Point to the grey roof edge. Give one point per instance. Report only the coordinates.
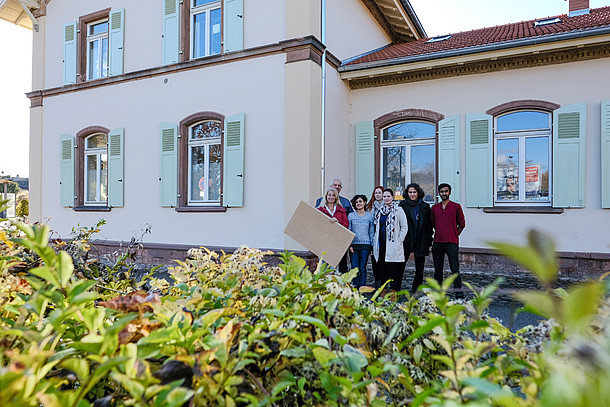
(476, 49)
(411, 13)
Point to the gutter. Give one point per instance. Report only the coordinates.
(413, 16)
(477, 49)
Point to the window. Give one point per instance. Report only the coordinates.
(205, 31)
(202, 163)
(93, 46)
(97, 49)
(408, 154)
(204, 166)
(522, 158)
(96, 170)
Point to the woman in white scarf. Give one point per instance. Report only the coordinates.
(390, 231)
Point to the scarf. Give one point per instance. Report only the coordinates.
(376, 207)
(391, 220)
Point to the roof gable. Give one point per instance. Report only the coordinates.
(503, 34)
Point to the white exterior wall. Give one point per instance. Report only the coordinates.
(264, 23)
(351, 29)
(339, 145)
(254, 87)
(581, 230)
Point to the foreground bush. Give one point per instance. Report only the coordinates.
(231, 330)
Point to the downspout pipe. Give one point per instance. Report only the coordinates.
(323, 102)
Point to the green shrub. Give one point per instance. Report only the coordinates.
(231, 330)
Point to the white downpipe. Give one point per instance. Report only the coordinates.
(323, 39)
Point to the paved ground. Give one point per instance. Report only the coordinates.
(504, 307)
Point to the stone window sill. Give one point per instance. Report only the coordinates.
(92, 208)
(523, 209)
(201, 209)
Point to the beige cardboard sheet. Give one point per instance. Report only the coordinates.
(313, 229)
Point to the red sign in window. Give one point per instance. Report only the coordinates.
(531, 174)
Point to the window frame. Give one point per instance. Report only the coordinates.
(186, 43)
(79, 187)
(400, 116)
(206, 143)
(97, 38)
(184, 203)
(522, 136)
(82, 51)
(98, 153)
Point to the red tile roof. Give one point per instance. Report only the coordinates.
(599, 17)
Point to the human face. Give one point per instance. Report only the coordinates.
(387, 198)
(378, 194)
(359, 204)
(412, 192)
(444, 193)
(337, 185)
(331, 198)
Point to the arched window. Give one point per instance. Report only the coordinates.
(522, 157)
(96, 169)
(408, 154)
(204, 162)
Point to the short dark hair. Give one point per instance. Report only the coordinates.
(390, 191)
(361, 196)
(443, 185)
(420, 191)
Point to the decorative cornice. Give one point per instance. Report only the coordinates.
(477, 67)
(306, 46)
(399, 115)
(42, 10)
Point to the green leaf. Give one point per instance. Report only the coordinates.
(424, 329)
(46, 274)
(541, 302)
(273, 311)
(65, 268)
(445, 359)
(323, 356)
(178, 396)
(281, 385)
(581, 304)
(354, 360)
(78, 366)
(391, 335)
(79, 288)
(294, 353)
(313, 321)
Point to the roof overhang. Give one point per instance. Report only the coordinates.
(366, 72)
(397, 18)
(20, 12)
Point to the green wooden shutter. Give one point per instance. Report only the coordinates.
(365, 157)
(116, 167)
(605, 154)
(479, 159)
(70, 42)
(233, 161)
(569, 156)
(117, 40)
(449, 136)
(169, 164)
(171, 31)
(66, 170)
(233, 25)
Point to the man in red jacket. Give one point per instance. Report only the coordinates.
(448, 223)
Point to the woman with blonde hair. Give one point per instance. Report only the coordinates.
(330, 205)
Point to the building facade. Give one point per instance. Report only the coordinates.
(211, 120)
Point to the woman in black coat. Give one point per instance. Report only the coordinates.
(419, 237)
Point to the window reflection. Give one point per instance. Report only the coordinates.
(526, 120)
(507, 177)
(422, 169)
(394, 168)
(537, 168)
(409, 130)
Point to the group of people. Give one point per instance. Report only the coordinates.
(392, 231)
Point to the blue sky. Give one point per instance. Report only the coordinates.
(437, 16)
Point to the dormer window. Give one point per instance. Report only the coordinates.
(547, 21)
(439, 39)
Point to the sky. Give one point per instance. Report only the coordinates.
(437, 16)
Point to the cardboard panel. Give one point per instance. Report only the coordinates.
(313, 229)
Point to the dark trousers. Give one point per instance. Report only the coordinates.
(418, 279)
(359, 258)
(376, 272)
(390, 270)
(343, 264)
(438, 256)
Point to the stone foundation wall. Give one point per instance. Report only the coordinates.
(573, 266)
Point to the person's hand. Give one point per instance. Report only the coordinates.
(351, 249)
(333, 220)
